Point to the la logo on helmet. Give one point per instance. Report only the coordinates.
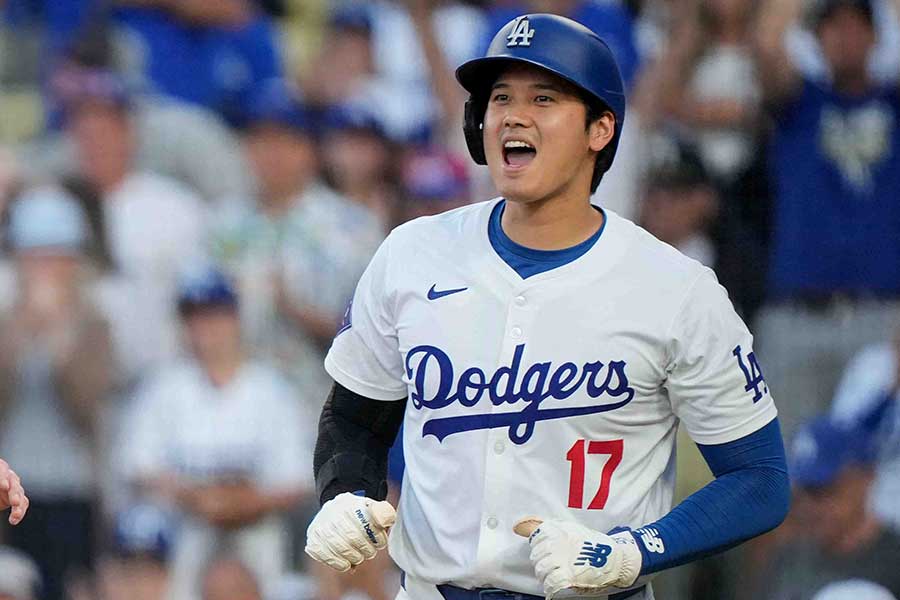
(521, 33)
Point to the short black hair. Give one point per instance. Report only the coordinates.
(821, 10)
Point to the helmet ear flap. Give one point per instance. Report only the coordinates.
(473, 128)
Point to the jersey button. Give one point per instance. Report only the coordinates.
(520, 300)
(492, 523)
(499, 447)
(516, 332)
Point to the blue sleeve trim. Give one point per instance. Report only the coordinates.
(750, 495)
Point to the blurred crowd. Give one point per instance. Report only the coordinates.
(190, 190)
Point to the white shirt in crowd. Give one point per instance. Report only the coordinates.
(251, 429)
(318, 249)
(726, 72)
(401, 91)
(864, 384)
(154, 225)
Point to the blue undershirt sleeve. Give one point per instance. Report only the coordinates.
(749, 496)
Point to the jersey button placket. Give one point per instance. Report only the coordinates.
(500, 453)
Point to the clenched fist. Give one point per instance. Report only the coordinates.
(348, 530)
(569, 556)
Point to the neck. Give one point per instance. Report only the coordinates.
(852, 84)
(553, 224)
(277, 202)
(222, 368)
(111, 181)
(860, 535)
(362, 189)
(732, 32)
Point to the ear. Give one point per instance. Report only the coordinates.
(601, 131)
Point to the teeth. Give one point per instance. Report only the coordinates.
(517, 144)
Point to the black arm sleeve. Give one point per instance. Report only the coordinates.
(355, 434)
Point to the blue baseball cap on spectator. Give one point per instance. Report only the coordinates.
(351, 17)
(204, 285)
(435, 174)
(352, 117)
(49, 220)
(279, 102)
(143, 530)
(821, 450)
(72, 85)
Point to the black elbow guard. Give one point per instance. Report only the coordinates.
(355, 434)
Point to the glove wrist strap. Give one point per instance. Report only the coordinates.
(632, 559)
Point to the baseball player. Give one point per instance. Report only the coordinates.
(540, 353)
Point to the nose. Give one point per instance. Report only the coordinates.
(515, 117)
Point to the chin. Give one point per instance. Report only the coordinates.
(517, 189)
(519, 194)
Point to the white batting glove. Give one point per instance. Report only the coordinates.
(348, 530)
(571, 557)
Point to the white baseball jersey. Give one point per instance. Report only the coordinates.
(558, 395)
(251, 429)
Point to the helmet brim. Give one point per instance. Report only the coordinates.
(477, 75)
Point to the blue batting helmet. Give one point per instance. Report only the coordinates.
(562, 46)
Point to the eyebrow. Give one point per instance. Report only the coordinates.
(537, 86)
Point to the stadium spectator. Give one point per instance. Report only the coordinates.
(220, 438)
(52, 391)
(357, 159)
(868, 397)
(297, 248)
(150, 222)
(343, 67)
(837, 536)
(680, 202)
(398, 58)
(834, 276)
(171, 137)
(682, 206)
(706, 81)
(137, 566)
(433, 180)
(416, 45)
(20, 578)
(209, 53)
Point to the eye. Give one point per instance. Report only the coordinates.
(543, 99)
(500, 97)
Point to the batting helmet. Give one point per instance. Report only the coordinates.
(562, 46)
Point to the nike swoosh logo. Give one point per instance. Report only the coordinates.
(433, 294)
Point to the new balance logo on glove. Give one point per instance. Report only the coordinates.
(594, 554)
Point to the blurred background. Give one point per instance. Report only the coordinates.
(190, 189)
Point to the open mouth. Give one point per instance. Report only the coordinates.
(518, 154)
